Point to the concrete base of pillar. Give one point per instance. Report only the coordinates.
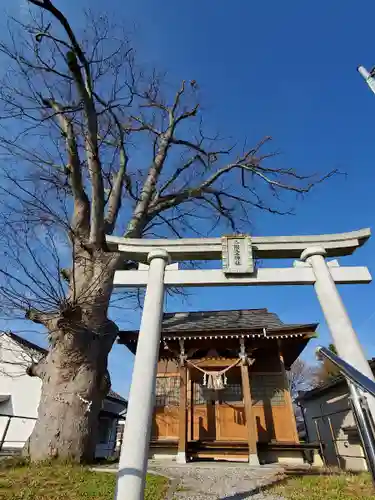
(253, 459)
(181, 457)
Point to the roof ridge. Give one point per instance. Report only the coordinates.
(115, 395)
(264, 309)
(219, 320)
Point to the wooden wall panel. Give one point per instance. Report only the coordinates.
(225, 423)
(231, 423)
(273, 424)
(284, 429)
(204, 422)
(165, 423)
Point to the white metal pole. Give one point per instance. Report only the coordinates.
(370, 80)
(341, 328)
(135, 446)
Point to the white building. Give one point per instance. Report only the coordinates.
(20, 395)
(330, 420)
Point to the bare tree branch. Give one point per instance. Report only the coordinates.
(82, 205)
(300, 377)
(84, 87)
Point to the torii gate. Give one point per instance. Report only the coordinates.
(311, 268)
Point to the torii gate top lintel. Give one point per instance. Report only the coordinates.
(265, 247)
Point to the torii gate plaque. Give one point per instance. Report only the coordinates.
(310, 269)
(237, 254)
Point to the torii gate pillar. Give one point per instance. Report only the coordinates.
(135, 445)
(343, 335)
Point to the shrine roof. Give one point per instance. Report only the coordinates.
(245, 322)
(261, 327)
(221, 320)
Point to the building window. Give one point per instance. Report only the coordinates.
(119, 435)
(167, 391)
(267, 389)
(232, 393)
(202, 394)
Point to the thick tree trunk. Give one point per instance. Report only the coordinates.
(74, 382)
(74, 373)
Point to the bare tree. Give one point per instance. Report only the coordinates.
(92, 145)
(300, 377)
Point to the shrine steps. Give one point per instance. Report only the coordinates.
(268, 452)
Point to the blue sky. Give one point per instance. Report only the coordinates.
(285, 69)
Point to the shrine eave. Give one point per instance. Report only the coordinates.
(305, 331)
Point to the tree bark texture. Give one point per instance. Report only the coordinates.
(74, 373)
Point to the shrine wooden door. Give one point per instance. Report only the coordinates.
(203, 414)
(218, 415)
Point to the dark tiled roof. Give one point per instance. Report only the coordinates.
(257, 324)
(115, 395)
(221, 320)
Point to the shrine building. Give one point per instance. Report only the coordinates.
(222, 391)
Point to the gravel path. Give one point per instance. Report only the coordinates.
(220, 481)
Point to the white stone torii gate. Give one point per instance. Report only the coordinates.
(310, 269)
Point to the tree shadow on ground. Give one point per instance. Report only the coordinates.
(242, 495)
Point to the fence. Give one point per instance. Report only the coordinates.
(110, 448)
(7, 426)
(332, 440)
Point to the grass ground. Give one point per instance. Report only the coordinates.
(65, 482)
(328, 487)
